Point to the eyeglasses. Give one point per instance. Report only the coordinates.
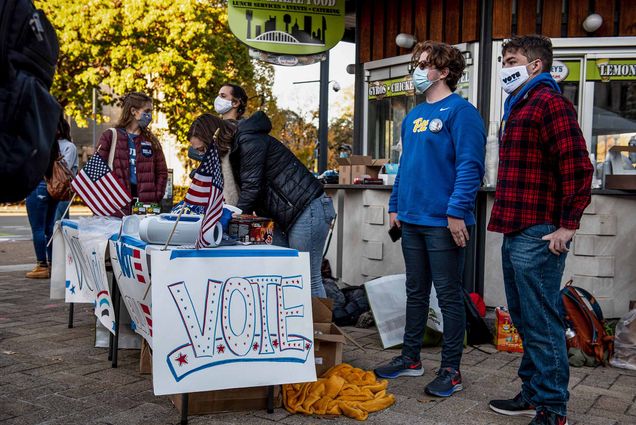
(421, 65)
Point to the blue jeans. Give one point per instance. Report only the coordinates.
(430, 254)
(532, 278)
(61, 207)
(41, 212)
(308, 234)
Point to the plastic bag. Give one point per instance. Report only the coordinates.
(625, 342)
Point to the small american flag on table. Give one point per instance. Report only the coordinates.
(207, 190)
(99, 188)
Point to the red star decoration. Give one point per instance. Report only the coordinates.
(220, 348)
(307, 346)
(275, 343)
(255, 346)
(182, 359)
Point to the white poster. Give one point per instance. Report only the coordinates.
(78, 288)
(130, 266)
(94, 233)
(230, 318)
(58, 264)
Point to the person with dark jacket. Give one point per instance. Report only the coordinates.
(274, 183)
(139, 163)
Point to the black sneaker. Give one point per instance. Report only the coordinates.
(447, 382)
(400, 366)
(513, 407)
(543, 417)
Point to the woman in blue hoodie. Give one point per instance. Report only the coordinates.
(441, 168)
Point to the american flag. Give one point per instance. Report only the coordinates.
(99, 188)
(207, 190)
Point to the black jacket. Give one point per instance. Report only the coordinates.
(273, 182)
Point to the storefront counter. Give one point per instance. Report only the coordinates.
(602, 257)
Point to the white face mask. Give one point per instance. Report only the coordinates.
(420, 80)
(222, 106)
(512, 78)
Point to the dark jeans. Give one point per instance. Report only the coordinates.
(430, 254)
(532, 277)
(41, 211)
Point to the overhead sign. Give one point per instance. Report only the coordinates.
(286, 60)
(611, 70)
(389, 88)
(559, 71)
(288, 27)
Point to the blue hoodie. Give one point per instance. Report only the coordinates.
(442, 163)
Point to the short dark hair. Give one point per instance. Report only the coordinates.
(441, 55)
(238, 93)
(533, 47)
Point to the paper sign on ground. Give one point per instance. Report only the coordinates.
(387, 298)
(231, 318)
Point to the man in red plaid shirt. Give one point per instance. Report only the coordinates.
(543, 186)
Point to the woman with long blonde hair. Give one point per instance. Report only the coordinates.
(138, 160)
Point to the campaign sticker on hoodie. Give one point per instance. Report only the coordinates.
(436, 125)
(146, 149)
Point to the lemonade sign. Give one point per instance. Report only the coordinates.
(289, 27)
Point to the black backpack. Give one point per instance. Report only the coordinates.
(28, 112)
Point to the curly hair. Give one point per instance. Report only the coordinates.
(205, 127)
(531, 46)
(441, 56)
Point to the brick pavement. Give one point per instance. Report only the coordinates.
(50, 374)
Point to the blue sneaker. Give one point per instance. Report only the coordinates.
(447, 382)
(400, 366)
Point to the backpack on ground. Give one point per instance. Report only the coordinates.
(584, 322)
(28, 112)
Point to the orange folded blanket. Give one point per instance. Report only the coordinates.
(342, 390)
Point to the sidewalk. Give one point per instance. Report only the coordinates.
(53, 375)
(19, 210)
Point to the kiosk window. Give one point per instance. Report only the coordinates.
(385, 124)
(614, 116)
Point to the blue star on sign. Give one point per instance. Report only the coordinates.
(72, 290)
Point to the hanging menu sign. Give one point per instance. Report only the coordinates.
(389, 88)
(611, 70)
(288, 27)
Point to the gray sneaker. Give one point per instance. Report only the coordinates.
(400, 366)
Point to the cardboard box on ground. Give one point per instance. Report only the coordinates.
(357, 166)
(328, 339)
(328, 346)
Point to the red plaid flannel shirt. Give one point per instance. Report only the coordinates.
(545, 173)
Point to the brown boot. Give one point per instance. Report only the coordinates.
(41, 271)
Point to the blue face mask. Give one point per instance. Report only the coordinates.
(195, 154)
(146, 118)
(421, 81)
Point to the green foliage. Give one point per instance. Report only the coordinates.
(340, 133)
(178, 51)
(298, 135)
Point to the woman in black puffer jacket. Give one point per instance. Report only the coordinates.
(274, 183)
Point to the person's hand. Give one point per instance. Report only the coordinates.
(393, 221)
(459, 231)
(559, 239)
